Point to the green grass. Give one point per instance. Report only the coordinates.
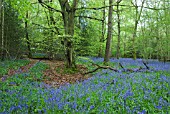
(6, 65)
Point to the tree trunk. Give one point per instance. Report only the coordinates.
(103, 31)
(27, 37)
(137, 18)
(109, 34)
(118, 26)
(2, 31)
(1, 28)
(68, 14)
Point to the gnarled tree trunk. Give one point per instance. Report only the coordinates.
(68, 14)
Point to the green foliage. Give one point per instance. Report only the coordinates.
(5, 66)
(21, 85)
(13, 32)
(36, 72)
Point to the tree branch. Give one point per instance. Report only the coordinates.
(140, 69)
(146, 65)
(99, 8)
(48, 7)
(42, 27)
(90, 18)
(101, 67)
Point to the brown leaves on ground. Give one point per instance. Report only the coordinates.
(57, 76)
(22, 69)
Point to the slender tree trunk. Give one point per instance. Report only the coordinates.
(109, 34)
(2, 31)
(167, 31)
(103, 31)
(27, 37)
(51, 24)
(158, 40)
(1, 28)
(118, 26)
(124, 46)
(137, 18)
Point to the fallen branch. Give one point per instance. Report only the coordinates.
(140, 69)
(100, 67)
(121, 66)
(145, 65)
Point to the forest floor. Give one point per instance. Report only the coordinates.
(56, 75)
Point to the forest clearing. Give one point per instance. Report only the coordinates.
(84, 57)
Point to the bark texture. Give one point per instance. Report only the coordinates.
(68, 15)
(109, 34)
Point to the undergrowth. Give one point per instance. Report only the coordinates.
(105, 92)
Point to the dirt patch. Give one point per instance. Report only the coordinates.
(57, 76)
(22, 69)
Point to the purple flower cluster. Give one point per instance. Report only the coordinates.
(105, 92)
(126, 62)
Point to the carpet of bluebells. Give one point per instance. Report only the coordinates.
(105, 92)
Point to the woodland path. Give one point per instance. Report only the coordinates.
(56, 75)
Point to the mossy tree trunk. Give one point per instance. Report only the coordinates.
(68, 14)
(27, 36)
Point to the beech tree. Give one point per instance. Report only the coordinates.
(68, 10)
(138, 13)
(109, 33)
(118, 29)
(27, 35)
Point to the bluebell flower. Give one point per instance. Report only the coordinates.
(12, 83)
(88, 99)
(163, 102)
(74, 106)
(143, 112)
(92, 107)
(60, 106)
(127, 94)
(158, 107)
(19, 107)
(163, 78)
(105, 111)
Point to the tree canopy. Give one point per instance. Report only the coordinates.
(65, 29)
